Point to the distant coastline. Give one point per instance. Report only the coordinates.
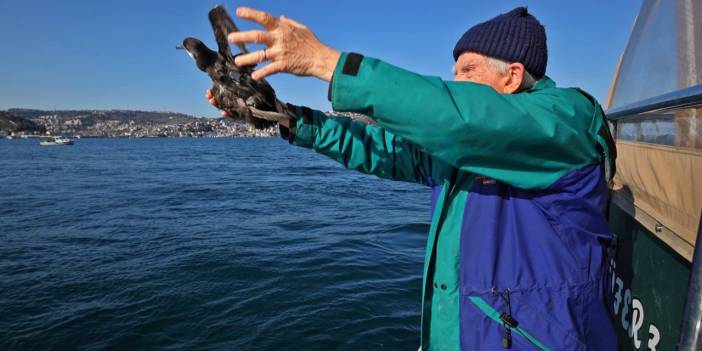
(121, 124)
(18, 122)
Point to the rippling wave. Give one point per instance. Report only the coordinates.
(234, 244)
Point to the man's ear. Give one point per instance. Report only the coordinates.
(515, 77)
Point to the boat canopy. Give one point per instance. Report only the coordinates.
(655, 104)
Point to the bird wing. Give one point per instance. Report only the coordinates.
(222, 25)
(267, 91)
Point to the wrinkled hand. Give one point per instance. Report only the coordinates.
(291, 47)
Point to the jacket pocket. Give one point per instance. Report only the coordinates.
(530, 330)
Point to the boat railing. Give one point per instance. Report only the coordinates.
(682, 98)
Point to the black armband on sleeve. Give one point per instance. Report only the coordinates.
(351, 67)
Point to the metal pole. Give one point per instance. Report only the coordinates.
(691, 328)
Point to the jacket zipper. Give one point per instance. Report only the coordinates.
(508, 322)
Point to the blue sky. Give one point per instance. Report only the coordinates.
(83, 54)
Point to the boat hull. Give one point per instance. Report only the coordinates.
(648, 282)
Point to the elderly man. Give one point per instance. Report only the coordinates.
(516, 253)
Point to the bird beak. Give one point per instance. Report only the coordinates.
(180, 47)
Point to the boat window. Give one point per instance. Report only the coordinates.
(664, 52)
(681, 127)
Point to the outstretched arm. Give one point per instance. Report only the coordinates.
(365, 148)
(357, 145)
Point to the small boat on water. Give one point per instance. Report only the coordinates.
(56, 141)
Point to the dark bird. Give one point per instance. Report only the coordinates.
(234, 90)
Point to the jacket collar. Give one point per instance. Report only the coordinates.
(543, 83)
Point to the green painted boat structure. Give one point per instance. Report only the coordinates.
(649, 286)
(655, 111)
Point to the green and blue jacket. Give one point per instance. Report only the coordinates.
(517, 247)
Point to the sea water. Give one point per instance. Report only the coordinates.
(208, 244)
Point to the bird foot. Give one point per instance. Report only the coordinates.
(268, 115)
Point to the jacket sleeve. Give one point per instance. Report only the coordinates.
(365, 148)
(528, 140)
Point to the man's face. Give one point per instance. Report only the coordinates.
(474, 67)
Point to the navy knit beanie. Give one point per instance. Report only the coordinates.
(515, 36)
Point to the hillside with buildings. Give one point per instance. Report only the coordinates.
(128, 124)
(125, 123)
